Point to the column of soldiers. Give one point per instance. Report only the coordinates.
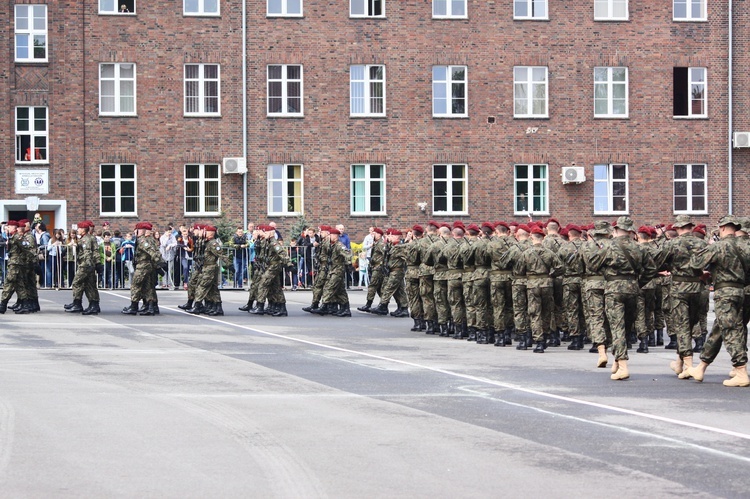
(20, 278)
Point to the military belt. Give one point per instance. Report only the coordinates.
(469, 268)
(685, 279)
(483, 267)
(500, 272)
(594, 277)
(573, 275)
(611, 278)
(728, 284)
(537, 276)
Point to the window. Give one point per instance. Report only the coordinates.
(116, 6)
(530, 9)
(449, 91)
(367, 90)
(690, 92)
(117, 186)
(201, 7)
(449, 189)
(31, 33)
(531, 189)
(690, 189)
(449, 8)
(202, 94)
(367, 8)
(285, 90)
(117, 89)
(284, 189)
(611, 92)
(530, 92)
(610, 10)
(689, 10)
(202, 188)
(31, 131)
(368, 189)
(610, 189)
(284, 8)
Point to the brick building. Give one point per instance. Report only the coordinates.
(375, 111)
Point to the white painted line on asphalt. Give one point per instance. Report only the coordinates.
(477, 379)
(330, 357)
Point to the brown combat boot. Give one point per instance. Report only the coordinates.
(698, 371)
(602, 362)
(622, 371)
(687, 363)
(739, 379)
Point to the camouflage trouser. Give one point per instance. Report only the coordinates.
(376, 283)
(520, 306)
(393, 287)
(621, 309)
(727, 328)
(253, 288)
(85, 282)
(319, 285)
(644, 322)
(573, 307)
(139, 284)
(427, 293)
(13, 283)
(558, 312)
(150, 290)
(442, 305)
(414, 298)
(30, 279)
(686, 308)
(666, 305)
(702, 326)
(269, 287)
(501, 296)
(480, 300)
(541, 303)
(593, 310)
(456, 300)
(470, 308)
(335, 284)
(193, 279)
(659, 306)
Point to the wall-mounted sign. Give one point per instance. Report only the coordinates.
(32, 181)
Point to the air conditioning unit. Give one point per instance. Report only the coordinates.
(573, 175)
(235, 165)
(741, 139)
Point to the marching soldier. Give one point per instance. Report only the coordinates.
(592, 291)
(255, 272)
(413, 262)
(501, 292)
(377, 256)
(570, 255)
(427, 279)
(320, 264)
(553, 241)
(14, 272)
(269, 288)
(145, 259)
(334, 292)
(393, 268)
(451, 253)
(199, 249)
(518, 286)
(467, 277)
(440, 279)
(87, 250)
(207, 294)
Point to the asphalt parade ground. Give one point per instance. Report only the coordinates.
(183, 406)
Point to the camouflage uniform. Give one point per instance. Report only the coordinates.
(14, 272)
(427, 283)
(501, 292)
(207, 289)
(335, 288)
(414, 298)
(270, 285)
(518, 286)
(554, 242)
(467, 276)
(480, 291)
(541, 266)
(199, 251)
(570, 255)
(322, 254)
(85, 280)
(394, 268)
(451, 252)
(436, 259)
(146, 258)
(592, 289)
(32, 262)
(645, 321)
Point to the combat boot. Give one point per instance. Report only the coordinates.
(522, 342)
(687, 363)
(602, 361)
(699, 371)
(344, 311)
(430, 327)
(187, 305)
(594, 348)
(443, 330)
(366, 307)
(35, 305)
(18, 304)
(131, 310)
(143, 308)
(652, 339)
(217, 310)
(381, 309)
(565, 336)
(482, 337)
(508, 337)
(500, 339)
(672, 342)
(77, 307)
(323, 309)
(3, 306)
(247, 306)
(574, 343)
(643, 347)
(310, 308)
(27, 307)
(93, 308)
(659, 337)
(259, 309)
(491, 334)
(197, 309)
(740, 378)
(156, 308)
(472, 334)
(149, 309)
(400, 312)
(699, 342)
(416, 326)
(554, 339)
(539, 347)
(632, 340)
(280, 310)
(622, 371)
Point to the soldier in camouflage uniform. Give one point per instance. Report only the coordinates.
(467, 277)
(439, 263)
(480, 287)
(413, 261)
(451, 253)
(426, 279)
(334, 292)
(570, 255)
(377, 256)
(255, 273)
(146, 258)
(85, 281)
(29, 274)
(592, 291)
(394, 268)
(625, 267)
(700, 330)
(553, 242)
(542, 265)
(501, 292)
(199, 250)
(518, 287)
(729, 265)
(16, 261)
(645, 325)
(207, 295)
(320, 265)
(270, 288)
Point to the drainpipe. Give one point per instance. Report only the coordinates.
(244, 111)
(730, 119)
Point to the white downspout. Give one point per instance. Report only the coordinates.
(730, 119)
(244, 111)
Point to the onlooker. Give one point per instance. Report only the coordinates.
(307, 241)
(55, 253)
(344, 239)
(240, 246)
(168, 250)
(107, 252)
(364, 277)
(45, 263)
(127, 250)
(185, 254)
(71, 248)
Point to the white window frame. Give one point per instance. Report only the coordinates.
(285, 182)
(285, 81)
(118, 80)
(688, 16)
(530, 84)
(609, 181)
(118, 181)
(367, 180)
(202, 80)
(201, 9)
(689, 180)
(285, 9)
(367, 88)
(610, 85)
(447, 85)
(530, 180)
(33, 135)
(30, 34)
(449, 10)
(610, 5)
(202, 180)
(449, 195)
(531, 6)
(366, 6)
(114, 10)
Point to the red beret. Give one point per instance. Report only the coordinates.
(433, 223)
(335, 231)
(458, 224)
(513, 224)
(553, 220)
(574, 227)
(669, 227)
(564, 232)
(378, 230)
(488, 225)
(394, 232)
(702, 226)
(524, 228)
(23, 221)
(699, 230)
(325, 228)
(445, 224)
(473, 227)
(91, 224)
(502, 224)
(644, 229)
(417, 228)
(148, 226)
(537, 230)
(12, 223)
(208, 228)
